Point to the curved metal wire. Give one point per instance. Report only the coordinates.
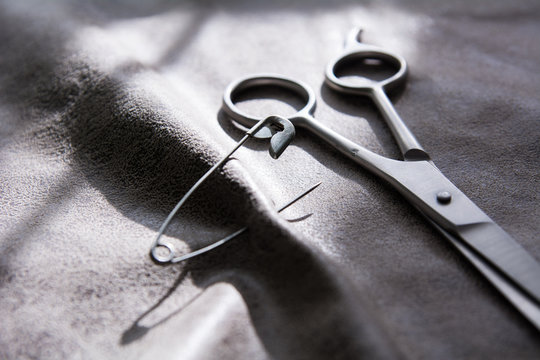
(282, 132)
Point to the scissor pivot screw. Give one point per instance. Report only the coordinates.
(444, 197)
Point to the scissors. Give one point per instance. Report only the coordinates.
(511, 269)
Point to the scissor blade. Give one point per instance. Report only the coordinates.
(497, 247)
(521, 301)
(442, 202)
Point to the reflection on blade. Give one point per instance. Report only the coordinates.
(511, 292)
(443, 203)
(498, 248)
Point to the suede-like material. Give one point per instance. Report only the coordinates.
(110, 112)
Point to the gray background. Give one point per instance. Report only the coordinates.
(109, 112)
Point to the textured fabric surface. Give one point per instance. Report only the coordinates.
(109, 112)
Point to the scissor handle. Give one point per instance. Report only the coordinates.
(356, 50)
(259, 80)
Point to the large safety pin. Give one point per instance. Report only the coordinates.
(281, 132)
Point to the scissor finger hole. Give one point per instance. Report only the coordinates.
(254, 98)
(357, 68)
(264, 100)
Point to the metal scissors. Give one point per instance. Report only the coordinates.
(512, 270)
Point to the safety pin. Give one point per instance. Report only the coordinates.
(225, 239)
(281, 132)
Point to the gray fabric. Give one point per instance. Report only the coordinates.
(109, 112)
